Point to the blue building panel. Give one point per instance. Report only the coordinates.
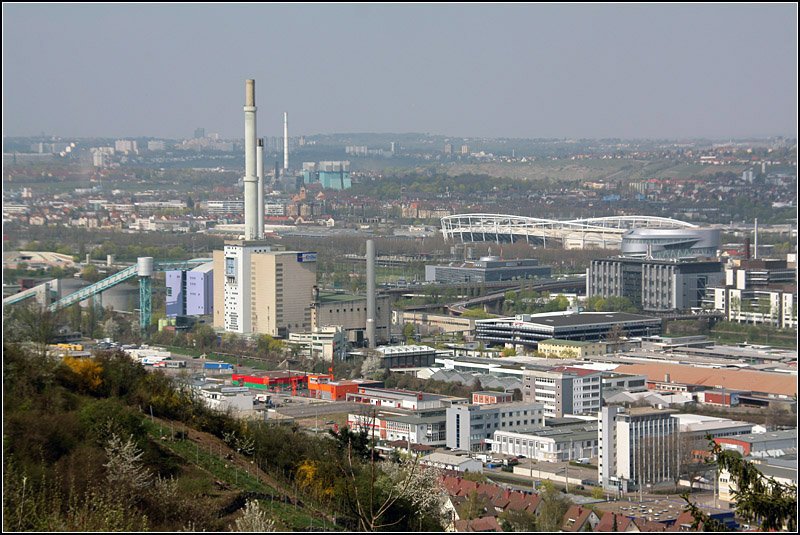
(176, 293)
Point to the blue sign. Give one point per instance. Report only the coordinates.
(307, 257)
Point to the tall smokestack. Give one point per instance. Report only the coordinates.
(285, 141)
(250, 178)
(371, 293)
(260, 176)
(755, 245)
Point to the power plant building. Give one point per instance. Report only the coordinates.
(350, 311)
(191, 293)
(487, 269)
(263, 291)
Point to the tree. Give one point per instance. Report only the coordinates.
(124, 467)
(616, 333)
(758, 498)
(475, 506)
(508, 352)
(204, 337)
(254, 519)
(420, 485)
(269, 345)
(91, 274)
(552, 509)
(372, 367)
(520, 521)
(33, 323)
(687, 462)
(409, 330)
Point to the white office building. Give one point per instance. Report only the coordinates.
(564, 390)
(637, 447)
(471, 427)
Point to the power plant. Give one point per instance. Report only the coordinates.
(259, 288)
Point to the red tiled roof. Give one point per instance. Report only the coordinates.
(607, 522)
(575, 517)
(486, 523)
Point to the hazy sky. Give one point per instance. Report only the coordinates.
(592, 70)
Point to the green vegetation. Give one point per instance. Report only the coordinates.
(477, 313)
(726, 332)
(532, 302)
(101, 444)
(759, 499)
(609, 304)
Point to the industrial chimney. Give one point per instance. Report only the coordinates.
(285, 142)
(250, 178)
(755, 244)
(260, 176)
(371, 293)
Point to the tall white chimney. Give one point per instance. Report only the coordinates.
(285, 141)
(250, 178)
(260, 176)
(371, 305)
(755, 245)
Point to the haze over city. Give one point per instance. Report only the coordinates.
(534, 71)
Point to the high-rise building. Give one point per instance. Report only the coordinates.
(563, 390)
(263, 291)
(199, 133)
(637, 447)
(126, 146)
(655, 285)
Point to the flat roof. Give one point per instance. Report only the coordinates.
(576, 319)
(332, 297)
(752, 438)
(559, 342)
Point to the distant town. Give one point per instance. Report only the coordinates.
(543, 334)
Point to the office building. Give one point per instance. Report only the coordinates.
(487, 269)
(491, 398)
(398, 399)
(260, 291)
(126, 146)
(654, 285)
(563, 390)
(757, 292)
(571, 349)
(528, 330)
(424, 426)
(556, 444)
(637, 447)
(471, 427)
(326, 343)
